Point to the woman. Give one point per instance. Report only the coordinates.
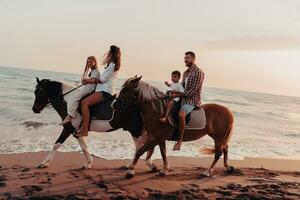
(104, 86)
(91, 65)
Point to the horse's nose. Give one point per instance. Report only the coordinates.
(35, 110)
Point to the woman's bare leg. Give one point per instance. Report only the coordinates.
(85, 104)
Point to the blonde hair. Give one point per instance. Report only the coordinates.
(86, 69)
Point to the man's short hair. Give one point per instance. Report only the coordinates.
(176, 73)
(190, 53)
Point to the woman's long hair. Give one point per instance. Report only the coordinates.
(113, 55)
(86, 69)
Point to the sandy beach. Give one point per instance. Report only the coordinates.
(64, 179)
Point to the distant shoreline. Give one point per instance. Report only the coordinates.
(210, 87)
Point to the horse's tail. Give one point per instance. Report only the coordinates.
(227, 136)
(225, 141)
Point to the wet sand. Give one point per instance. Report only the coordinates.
(64, 179)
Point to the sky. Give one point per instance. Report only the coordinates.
(251, 45)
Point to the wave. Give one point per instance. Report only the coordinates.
(34, 124)
(293, 135)
(5, 76)
(230, 102)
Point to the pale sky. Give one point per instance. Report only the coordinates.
(251, 45)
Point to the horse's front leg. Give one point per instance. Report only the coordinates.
(149, 161)
(88, 157)
(139, 142)
(163, 152)
(150, 144)
(45, 163)
(66, 132)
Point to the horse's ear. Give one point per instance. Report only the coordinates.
(133, 82)
(136, 79)
(37, 80)
(139, 78)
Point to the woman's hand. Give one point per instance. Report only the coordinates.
(85, 81)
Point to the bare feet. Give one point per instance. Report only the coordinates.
(177, 146)
(66, 120)
(163, 120)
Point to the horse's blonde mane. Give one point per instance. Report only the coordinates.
(149, 93)
(153, 95)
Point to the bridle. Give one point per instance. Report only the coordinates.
(50, 100)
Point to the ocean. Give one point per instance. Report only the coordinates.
(265, 125)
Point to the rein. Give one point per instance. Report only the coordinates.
(62, 95)
(72, 90)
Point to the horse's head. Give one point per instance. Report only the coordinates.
(128, 96)
(41, 96)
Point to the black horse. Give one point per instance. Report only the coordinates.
(57, 94)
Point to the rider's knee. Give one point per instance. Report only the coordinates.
(84, 103)
(181, 114)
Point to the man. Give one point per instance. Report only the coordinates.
(191, 97)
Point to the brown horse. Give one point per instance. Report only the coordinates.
(152, 102)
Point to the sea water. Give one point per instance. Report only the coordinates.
(265, 125)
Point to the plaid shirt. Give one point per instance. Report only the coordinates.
(192, 82)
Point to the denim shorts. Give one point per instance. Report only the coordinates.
(187, 108)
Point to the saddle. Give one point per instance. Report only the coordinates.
(196, 120)
(100, 111)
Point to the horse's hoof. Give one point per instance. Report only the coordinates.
(124, 167)
(154, 168)
(42, 166)
(87, 166)
(162, 173)
(130, 174)
(207, 173)
(230, 169)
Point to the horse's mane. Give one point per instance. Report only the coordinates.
(148, 92)
(151, 94)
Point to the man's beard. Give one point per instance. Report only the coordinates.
(189, 64)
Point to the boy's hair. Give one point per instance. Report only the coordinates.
(190, 53)
(176, 73)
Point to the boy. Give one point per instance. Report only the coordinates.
(175, 85)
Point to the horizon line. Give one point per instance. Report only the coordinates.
(212, 87)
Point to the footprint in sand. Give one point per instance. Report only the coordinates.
(25, 170)
(44, 177)
(3, 179)
(25, 176)
(74, 175)
(102, 185)
(31, 189)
